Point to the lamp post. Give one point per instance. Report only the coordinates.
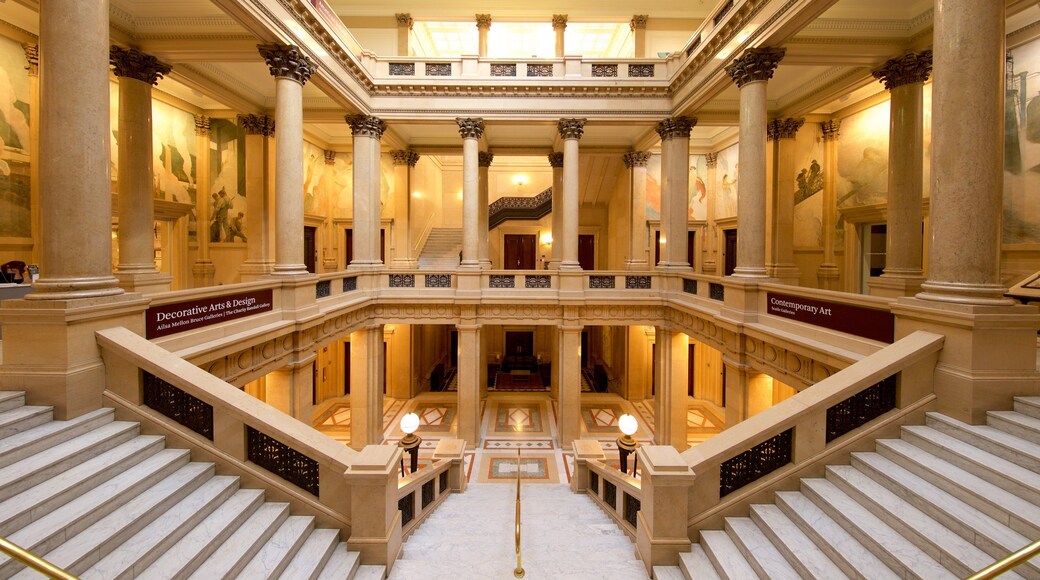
(410, 442)
(626, 444)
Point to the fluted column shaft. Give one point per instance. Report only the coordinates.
(367, 132)
(638, 248)
(571, 131)
(75, 213)
(484, 163)
(471, 131)
(556, 161)
(675, 190)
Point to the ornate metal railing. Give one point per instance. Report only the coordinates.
(183, 408)
(282, 460)
(861, 408)
(760, 460)
(519, 208)
(420, 492)
(606, 485)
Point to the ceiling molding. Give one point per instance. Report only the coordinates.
(200, 81)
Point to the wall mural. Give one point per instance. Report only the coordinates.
(726, 183)
(1022, 147)
(227, 164)
(15, 218)
(697, 197)
(808, 184)
(863, 157)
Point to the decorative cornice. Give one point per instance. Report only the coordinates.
(404, 157)
(559, 21)
(831, 129)
(756, 64)
(638, 22)
(711, 159)
(470, 127)
(555, 160)
(483, 20)
(366, 126)
(201, 125)
(636, 159)
(257, 124)
(571, 128)
(330, 157)
(404, 19)
(287, 62)
(783, 128)
(676, 127)
(912, 67)
(32, 58)
(134, 64)
(484, 159)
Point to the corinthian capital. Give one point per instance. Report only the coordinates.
(287, 62)
(673, 127)
(711, 159)
(257, 124)
(559, 21)
(636, 159)
(134, 64)
(756, 64)
(32, 58)
(404, 157)
(201, 125)
(783, 128)
(404, 19)
(483, 20)
(484, 159)
(470, 127)
(912, 67)
(571, 128)
(638, 22)
(556, 159)
(366, 126)
(330, 157)
(831, 129)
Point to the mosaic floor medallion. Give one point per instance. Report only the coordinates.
(435, 416)
(530, 468)
(601, 418)
(518, 417)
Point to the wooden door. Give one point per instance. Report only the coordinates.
(657, 247)
(519, 343)
(584, 349)
(346, 368)
(689, 373)
(310, 234)
(348, 245)
(730, 237)
(587, 251)
(691, 249)
(653, 370)
(382, 246)
(454, 346)
(518, 251)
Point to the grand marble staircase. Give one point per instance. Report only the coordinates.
(565, 537)
(943, 501)
(441, 250)
(94, 496)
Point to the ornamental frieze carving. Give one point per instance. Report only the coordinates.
(519, 311)
(831, 129)
(673, 127)
(912, 67)
(756, 64)
(636, 159)
(470, 127)
(366, 126)
(287, 62)
(133, 64)
(783, 128)
(571, 128)
(257, 124)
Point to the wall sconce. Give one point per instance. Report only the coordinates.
(546, 238)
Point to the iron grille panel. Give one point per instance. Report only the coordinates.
(539, 70)
(438, 69)
(350, 284)
(427, 493)
(717, 291)
(632, 505)
(323, 289)
(407, 506)
(193, 413)
(604, 70)
(539, 281)
(402, 280)
(637, 282)
(403, 69)
(594, 481)
(689, 286)
(610, 494)
(282, 460)
(438, 280)
(503, 70)
(861, 408)
(502, 281)
(760, 460)
(641, 70)
(601, 282)
(444, 481)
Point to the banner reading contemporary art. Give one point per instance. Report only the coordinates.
(173, 318)
(866, 322)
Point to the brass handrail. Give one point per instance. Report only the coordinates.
(519, 571)
(1000, 566)
(35, 562)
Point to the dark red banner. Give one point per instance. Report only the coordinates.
(174, 318)
(866, 322)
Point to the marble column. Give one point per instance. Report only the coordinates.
(483, 26)
(137, 72)
(750, 72)
(675, 190)
(290, 389)
(670, 396)
(404, 29)
(638, 243)
(559, 24)
(711, 231)
(556, 162)
(367, 132)
(32, 59)
(291, 69)
(904, 78)
(471, 130)
(737, 381)
(259, 262)
(484, 160)
(568, 360)
(203, 269)
(570, 131)
(782, 266)
(638, 27)
(366, 386)
(404, 165)
(471, 357)
(827, 273)
(331, 191)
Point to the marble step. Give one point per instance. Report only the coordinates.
(23, 418)
(86, 548)
(796, 547)
(940, 543)
(342, 564)
(244, 543)
(994, 538)
(759, 551)
(854, 559)
(11, 400)
(51, 530)
(1028, 406)
(138, 552)
(695, 564)
(199, 543)
(274, 556)
(27, 443)
(47, 463)
(371, 572)
(1001, 472)
(1001, 505)
(990, 439)
(897, 552)
(668, 573)
(310, 559)
(1015, 423)
(725, 556)
(36, 502)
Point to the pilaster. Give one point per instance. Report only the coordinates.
(827, 274)
(258, 129)
(570, 131)
(670, 400)
(366, 386)
(367, 131)
(783, 268)
(404, 166)
(675, 191)
(471, 130)
(638, 243)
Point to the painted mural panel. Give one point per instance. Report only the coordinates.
(316, 177)
(697, 196)
(227, 163)
(653, 187)
(863, 157)
(173, 163)
(808, 184)
(1022, 148)
(14, 142)
(726, 183)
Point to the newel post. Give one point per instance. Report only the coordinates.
(455, 450)
(662, 520)
(375, 520)
(584, 450)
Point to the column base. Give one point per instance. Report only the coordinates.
(988, 358)
(674, 266)
(485, 264)
(290, 270)
(366, 266)
(144, 282)
(203, 274)
(952, 292)
(404, 264)
(828, 277)
(785, 273)
(251, 271)
(554, 265)
(895, 286)
(50, 351)
(637, 265)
